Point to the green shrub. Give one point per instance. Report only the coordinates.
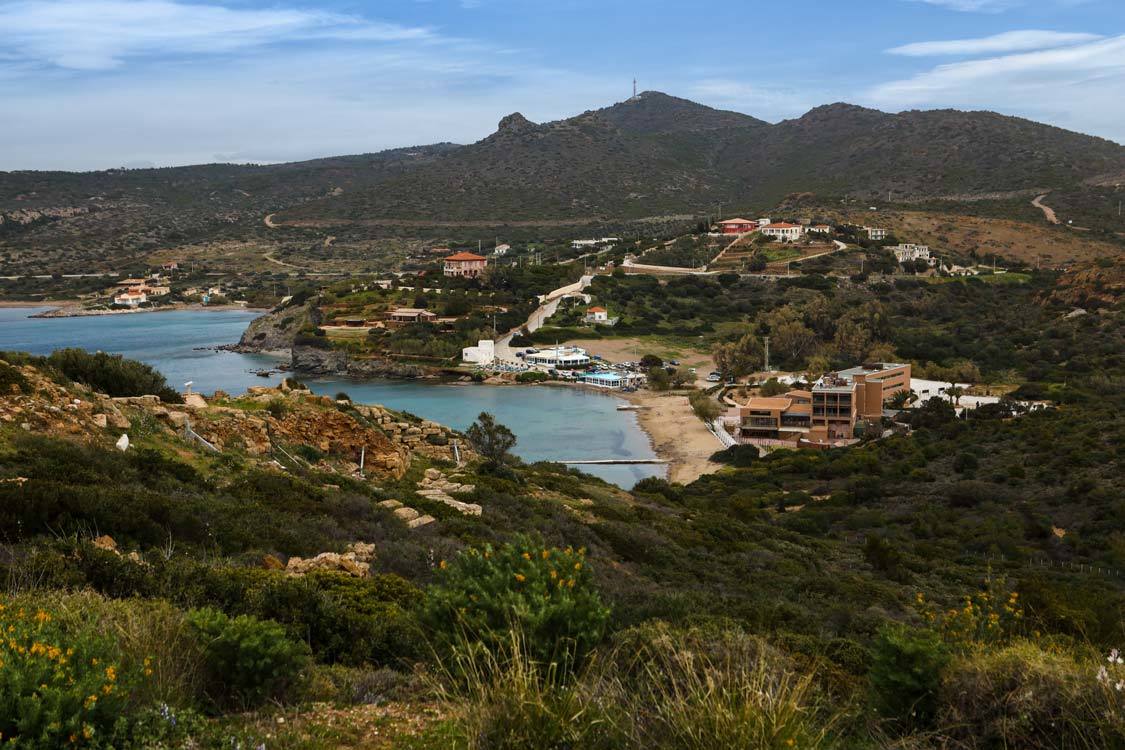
(248, 660)
(112, 374)
(60, 685)
(1027, 697)
(12, 379)
(532, 376)
(548, 593)
(905, 675)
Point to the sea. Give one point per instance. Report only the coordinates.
(550, 423)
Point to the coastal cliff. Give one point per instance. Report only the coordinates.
(280, 330)
(313, 360)
(276, 331)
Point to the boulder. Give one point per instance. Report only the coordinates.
(329, 561)
(406, 514)
(420, 521)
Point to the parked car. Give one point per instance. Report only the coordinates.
(521, 355)
(714, 377)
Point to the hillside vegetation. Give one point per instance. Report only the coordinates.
(646, 165)
(957, 586)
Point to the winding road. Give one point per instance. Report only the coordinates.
(1047, 210)
(549, 304)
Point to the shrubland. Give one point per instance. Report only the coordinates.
(957, 586)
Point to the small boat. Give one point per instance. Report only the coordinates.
(631, 407)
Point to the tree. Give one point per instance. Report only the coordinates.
(852, 341)
(738, 358)
(490, 439)
(680, 377)
(705, 407)
(650, 361)
(757, 263)
(792, 341)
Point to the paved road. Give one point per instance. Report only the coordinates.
(630, 264)
(549, 304)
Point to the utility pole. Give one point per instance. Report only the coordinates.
(767, 340)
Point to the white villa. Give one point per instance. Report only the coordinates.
(569, 357)
(907, 251)
(597, 315)
(131, 298)
(783, 231)
(876, 233)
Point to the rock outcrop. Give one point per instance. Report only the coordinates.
(313, 360)
(355, 562)
(277, 330)
(435, 486)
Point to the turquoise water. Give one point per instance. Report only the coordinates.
(551, 423)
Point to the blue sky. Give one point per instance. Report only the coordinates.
(88, 84)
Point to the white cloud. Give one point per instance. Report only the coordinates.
(973, 6)
(100, 34)
(768, 103)
(1009, 41)
(1080, 86)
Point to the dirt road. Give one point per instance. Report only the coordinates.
(1047, 210)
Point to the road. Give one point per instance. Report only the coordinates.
(1047, 210)
(630, 265)
(63, 275)
(549, 304)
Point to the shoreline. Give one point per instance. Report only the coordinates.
(674, 433)
(73, 309)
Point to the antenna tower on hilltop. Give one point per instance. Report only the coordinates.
(634, 88)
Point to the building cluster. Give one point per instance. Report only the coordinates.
(828, 413)
(136, 292)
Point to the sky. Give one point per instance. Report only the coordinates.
(96, 84)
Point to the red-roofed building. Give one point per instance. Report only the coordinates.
(737, 226)
(782, 230)
(465, 264)
(597, 315)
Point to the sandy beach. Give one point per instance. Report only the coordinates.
(677, 435)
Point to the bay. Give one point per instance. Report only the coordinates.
(550, 422)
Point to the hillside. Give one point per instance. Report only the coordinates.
(638, 166)
(274, 593)
(658, 154)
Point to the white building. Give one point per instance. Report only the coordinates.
(579, 244)
(783, 231)
(502, 249)
(560, 356)
(130, 299)
(875, 233)
(821, 229)
(764, 221)
(597, 315)
(484, 353)
(907, 251)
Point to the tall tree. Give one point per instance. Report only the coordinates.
(491, 439)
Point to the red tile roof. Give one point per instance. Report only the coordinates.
(737, 221)
(596, 309)
(466, 256)
(781, 225)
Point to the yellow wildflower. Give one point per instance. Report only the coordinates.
(110, 673)
(546, 554)
(526, 556)
(521, 577)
